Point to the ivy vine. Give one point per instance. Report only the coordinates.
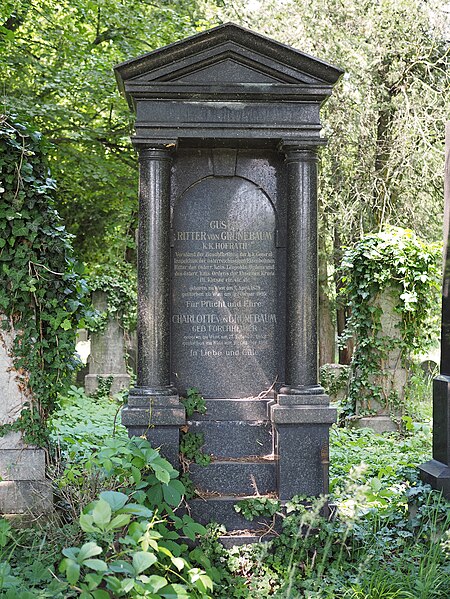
(42, 292)
(120, 286)
(395, 262)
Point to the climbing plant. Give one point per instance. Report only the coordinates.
(42, 292)
(119, 284)
(394, 262)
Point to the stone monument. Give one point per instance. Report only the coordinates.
(227, 130)
(107, 357)
(436, 472)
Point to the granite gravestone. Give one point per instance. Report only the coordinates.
(227, 129)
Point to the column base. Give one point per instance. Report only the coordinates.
(301, 424)
(437, 475)
(158, 417)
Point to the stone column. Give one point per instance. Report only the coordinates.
(301, 414)
(153, 406)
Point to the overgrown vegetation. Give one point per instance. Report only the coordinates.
(391, 276)
(42, 294)
(388, 537)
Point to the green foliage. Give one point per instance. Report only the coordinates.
(41, 292)
(397, 262)
(119, 284)
(56, 67)
(254, 507)
(191, 448)
(127, 542)
(193, 402)
(82, 423)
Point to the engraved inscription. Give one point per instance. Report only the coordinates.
(224, 317)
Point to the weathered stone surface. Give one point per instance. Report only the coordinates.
(21, 497)
(242, 478)
(235, 439)
(379, 424)
(22, 464)
(107, 357)
(224, 307)
(235, 409)
(222, 510)
(228, 169)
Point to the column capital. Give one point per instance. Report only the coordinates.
(301, 150)
(149, 147)
(157, 151)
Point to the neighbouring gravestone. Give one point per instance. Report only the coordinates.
(385, 414)
(436, 472)
(24, 489)
(227, 129)
(107, 356)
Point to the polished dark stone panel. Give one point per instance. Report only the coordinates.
(222, 510)
(224, 288)
(235, 439)
(243, 478)
(234, 409)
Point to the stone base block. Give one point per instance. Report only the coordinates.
(119, 383)
(234, 439)
(437, 475)
(24, 497)
(22, 464)
(239, 478)
(221, 510)
(379, 424)
(302, 441)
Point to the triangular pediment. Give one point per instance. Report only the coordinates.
(227, 55)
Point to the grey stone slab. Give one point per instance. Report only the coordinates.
(234, 409)
(22, 464)
(21, 497)
(303, 400)
(303, 415)
(379, 424)
(12, 440)
(235, 439)
(164, 438)
(301, 449)
(153, 417)
(437, 475)
(119, 382)
(222, 510)
(235, 478)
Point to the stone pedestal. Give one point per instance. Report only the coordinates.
(436, 472)
(301, 426)
(107, 357)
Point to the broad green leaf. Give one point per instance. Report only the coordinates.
(173, 492)
(137, 510)
(161, 473)
(143, 560)
(178, 562)
(115, 499)
(95, 564)
(88, 550)
(119, 521)
(72, 571)
(101, 513)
